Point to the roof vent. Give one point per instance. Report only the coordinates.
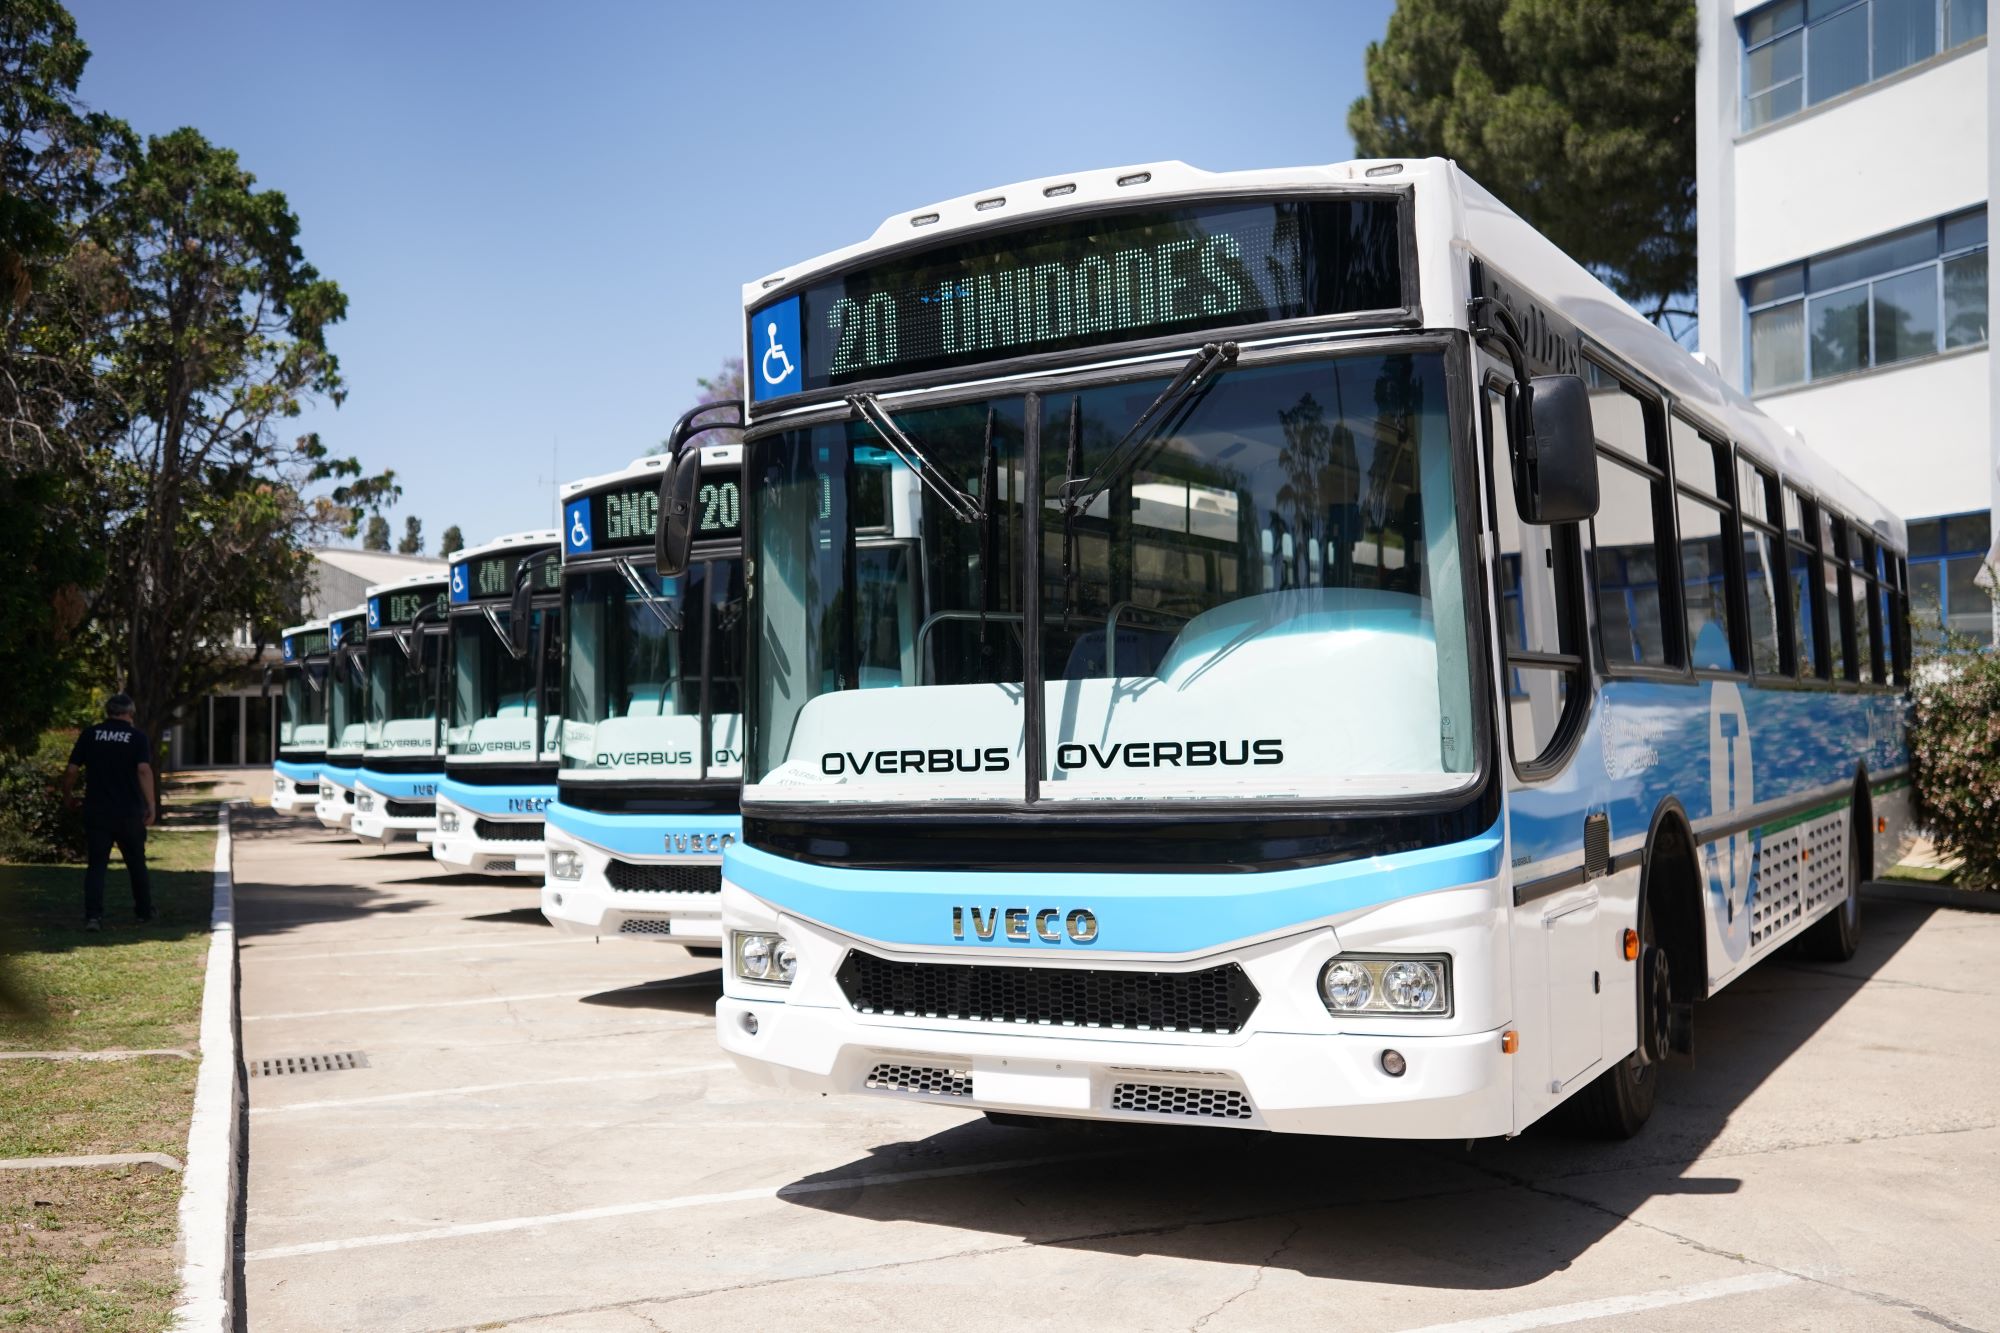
(769, 283)
(1056, 191)
(1386, 169)
(988, 205)
(923, 219)
(1136, 178)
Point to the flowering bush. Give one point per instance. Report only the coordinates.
(1955, 759)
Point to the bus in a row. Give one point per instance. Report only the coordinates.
(1283, 649)
(302, 718)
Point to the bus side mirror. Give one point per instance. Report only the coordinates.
(674, 537)
(1555, 465)
(266, 693)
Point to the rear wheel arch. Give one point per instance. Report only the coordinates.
(1671, 883)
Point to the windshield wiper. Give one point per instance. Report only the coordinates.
(966, 508)
(1078, 493)
(500, 631)
(662, 609)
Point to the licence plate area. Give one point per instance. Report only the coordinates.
(1047, 1084)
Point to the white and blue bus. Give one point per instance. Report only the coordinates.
(302, 719)
(1349, 673)
(395, 794)
(503, 701)
(346, 716)
(652, 749)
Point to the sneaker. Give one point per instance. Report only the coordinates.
(93, 924)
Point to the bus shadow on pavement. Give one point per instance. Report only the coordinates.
(1490, 1215)
(693, 994)
(512, 916)
(267, 909)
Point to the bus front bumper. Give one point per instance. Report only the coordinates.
(335, 806)
(373, 823)
(1454, 1087)
(455, 842)
(589, 905)
(293, 798)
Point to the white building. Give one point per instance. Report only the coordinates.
(239, 725)
(1846, 159)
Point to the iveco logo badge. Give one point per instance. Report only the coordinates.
(697, 842)
(1049, 924)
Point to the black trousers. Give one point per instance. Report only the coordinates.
(129, 835)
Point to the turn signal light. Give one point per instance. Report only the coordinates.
(1510, 1042)
(1881, 824)
(1631, 946)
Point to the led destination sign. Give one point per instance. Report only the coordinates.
(400, 608)
(493, 575)
(630, 515)
(1082, 283)
(312, 643)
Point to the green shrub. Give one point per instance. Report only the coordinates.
(34, 826)
(1955, 759)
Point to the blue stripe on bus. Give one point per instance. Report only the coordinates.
(639, 835)
(484, 800)
(297, 772)
(1168, 912)
(400, 786)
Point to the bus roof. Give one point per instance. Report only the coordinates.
(546, 537)
(305, 627)
(1461, 217)
(438, 577)
(712, 455)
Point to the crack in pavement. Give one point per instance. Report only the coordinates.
(1866, 1293)
(1256, 1278)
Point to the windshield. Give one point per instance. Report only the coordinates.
(346, 728)
(401, 716)
(302, 724)
(642, 649)
(1263, 599)
(495, 714)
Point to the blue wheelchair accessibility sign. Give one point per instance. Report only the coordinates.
(459, 591)
(775, 350)
(374, 613)
(576, 526)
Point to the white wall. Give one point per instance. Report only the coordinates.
(1918, 436)
(1906, 151)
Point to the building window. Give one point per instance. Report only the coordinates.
(1910, 294)
(1945, 555)
(1798, 53)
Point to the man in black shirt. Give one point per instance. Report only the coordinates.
(116, 759)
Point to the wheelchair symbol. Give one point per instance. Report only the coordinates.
(458, 579)
(579, 536)
(775, 351)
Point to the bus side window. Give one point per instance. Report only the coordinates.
(1808, 607)
(1712, 608)
(1534, 573)
(1629, 566)
(1763, 569)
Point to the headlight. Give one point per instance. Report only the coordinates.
(364, 803)
(566, 865)
(766, 958)
(447, 821)
(1352, 984)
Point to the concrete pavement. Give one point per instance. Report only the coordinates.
(542, 1135)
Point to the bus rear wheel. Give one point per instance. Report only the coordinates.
(1618, 1103)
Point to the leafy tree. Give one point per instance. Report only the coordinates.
(412, 542)
(218, 337)
(724, 386)
(1578, 114)
(377, 537)
(452, 542)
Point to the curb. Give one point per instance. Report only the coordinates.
(215, 1135)
(1933, 895)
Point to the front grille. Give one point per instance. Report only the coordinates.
(663, 877)
(646, 926)
(508, 830)
(1211, 1103)
(920, 1078)
(409, 809)
(500, 863)
(1219, 999)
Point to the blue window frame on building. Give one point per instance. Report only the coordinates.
(1945, 556)
(1914, 293)
(1799, 53)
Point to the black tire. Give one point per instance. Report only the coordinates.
(1618, 1103)
(1835, 937)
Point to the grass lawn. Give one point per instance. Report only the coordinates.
(1922, 874)
(88, 1248)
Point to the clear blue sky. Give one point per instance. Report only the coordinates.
(542, 214)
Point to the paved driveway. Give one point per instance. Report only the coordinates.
(542, 1135)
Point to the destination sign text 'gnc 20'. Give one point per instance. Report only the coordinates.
(1107, 278)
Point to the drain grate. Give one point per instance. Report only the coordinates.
(307, 1064)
